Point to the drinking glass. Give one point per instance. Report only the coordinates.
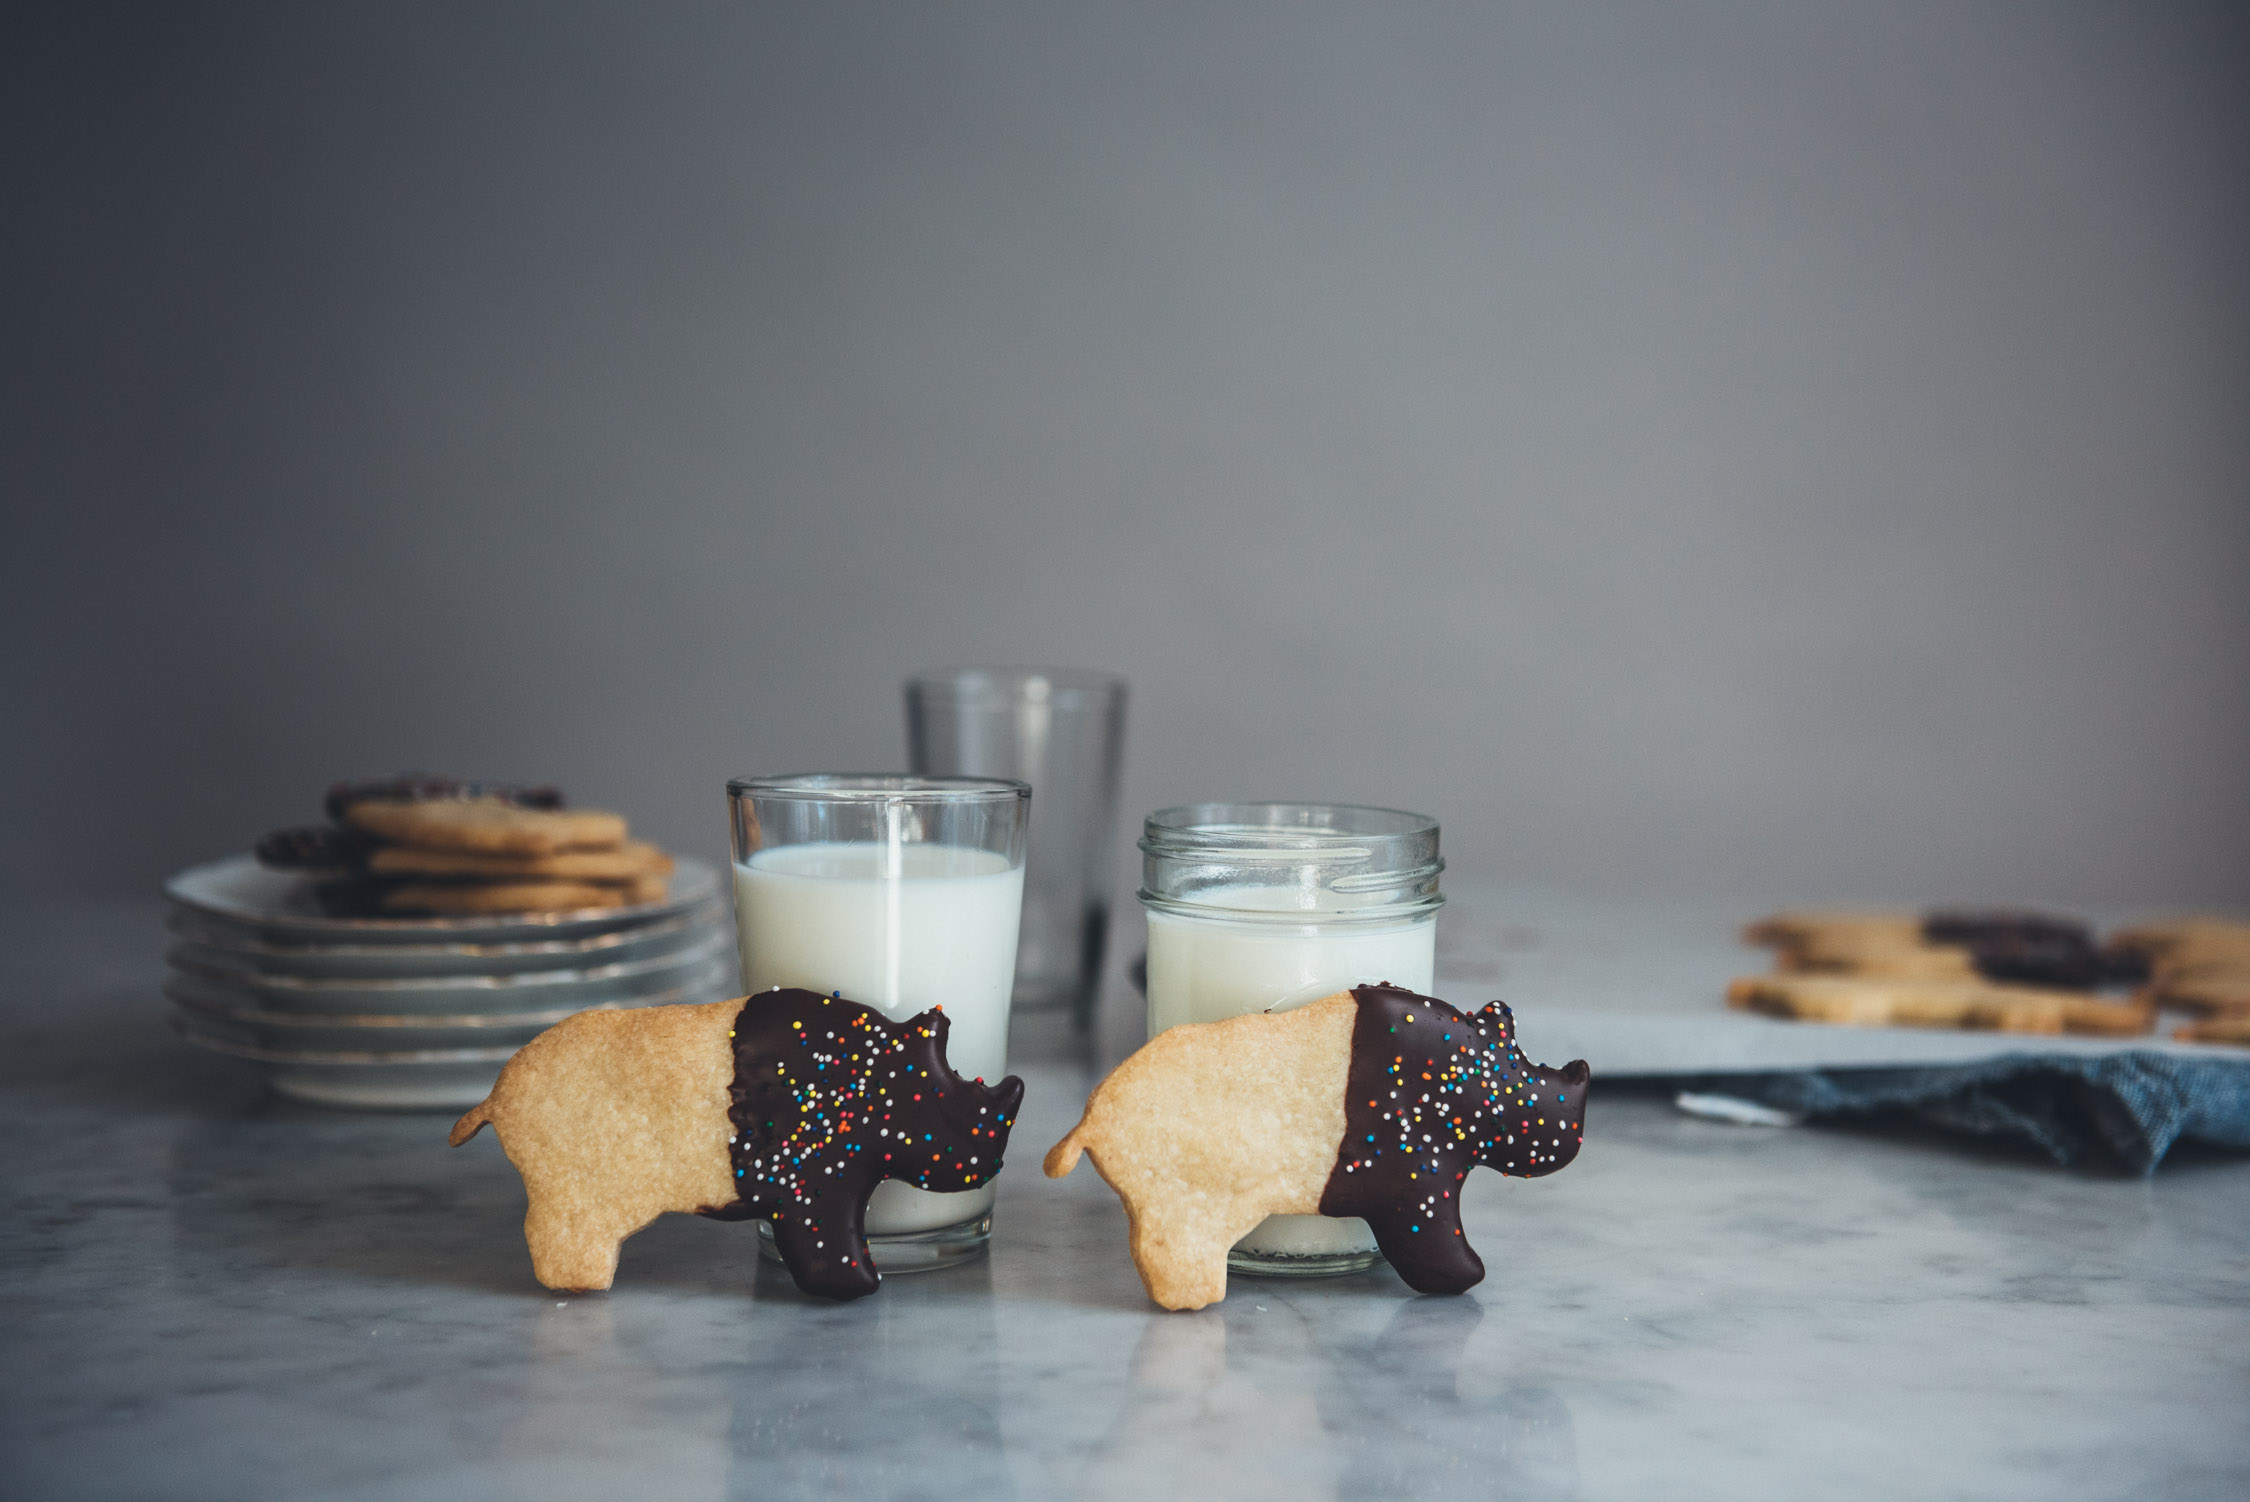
(1063, 731)
(1257, 907)
(902, 893)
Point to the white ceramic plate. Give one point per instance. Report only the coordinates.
(277, 908)
(387, 1079)
(220, 1016)
(230, 946)
(530, 991)
(428, 1080)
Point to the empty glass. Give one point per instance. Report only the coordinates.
(1063, 731)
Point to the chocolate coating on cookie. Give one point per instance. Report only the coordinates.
(1432, 1092)
(830, 1098)
(2033, 949)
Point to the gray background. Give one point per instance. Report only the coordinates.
(1780, 450)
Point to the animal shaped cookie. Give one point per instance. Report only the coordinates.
(2017, 948)
(2000, 969)
(2199, 965)
(786, 1106)
(1374, 1102)
(1877, 1001)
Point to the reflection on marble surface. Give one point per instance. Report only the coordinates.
(1361, 1400)
(212, 1294)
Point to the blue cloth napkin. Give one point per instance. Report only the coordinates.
(2128, 1107)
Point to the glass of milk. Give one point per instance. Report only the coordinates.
(1257, 907)
(902, 893)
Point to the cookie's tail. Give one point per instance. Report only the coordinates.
(1063, 1156)
(469, 1125)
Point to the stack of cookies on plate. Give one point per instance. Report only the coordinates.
(437, 845)
(2006, 971)
(399, 954)
(2200, 966)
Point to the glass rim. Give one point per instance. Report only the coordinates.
(1009, 682)
(879, 787)
(1221, 828)
(1392, 852)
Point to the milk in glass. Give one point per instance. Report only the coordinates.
(900, 927)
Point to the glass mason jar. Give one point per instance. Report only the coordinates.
(1265, 906)
(902, 893)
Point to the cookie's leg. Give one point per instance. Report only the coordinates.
(1182, 1256)
(826, 1254)
(1427, 1248)
(571, 1251)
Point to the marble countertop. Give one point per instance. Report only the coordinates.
(213, 1294)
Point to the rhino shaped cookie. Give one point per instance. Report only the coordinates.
(786, 1106)
(1374, 1102)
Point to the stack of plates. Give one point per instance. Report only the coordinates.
(417, 1012)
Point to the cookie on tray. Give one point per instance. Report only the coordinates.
(2188, 941)
(1816, 940)
(2195, 964)
(2212, 990)
(2232, 1028)
(2032, 949)
(2004, 945)
(1870, 1001)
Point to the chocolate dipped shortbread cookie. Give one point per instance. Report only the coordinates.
(786, 1106)
(1946, 945)
(1374, 1102)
